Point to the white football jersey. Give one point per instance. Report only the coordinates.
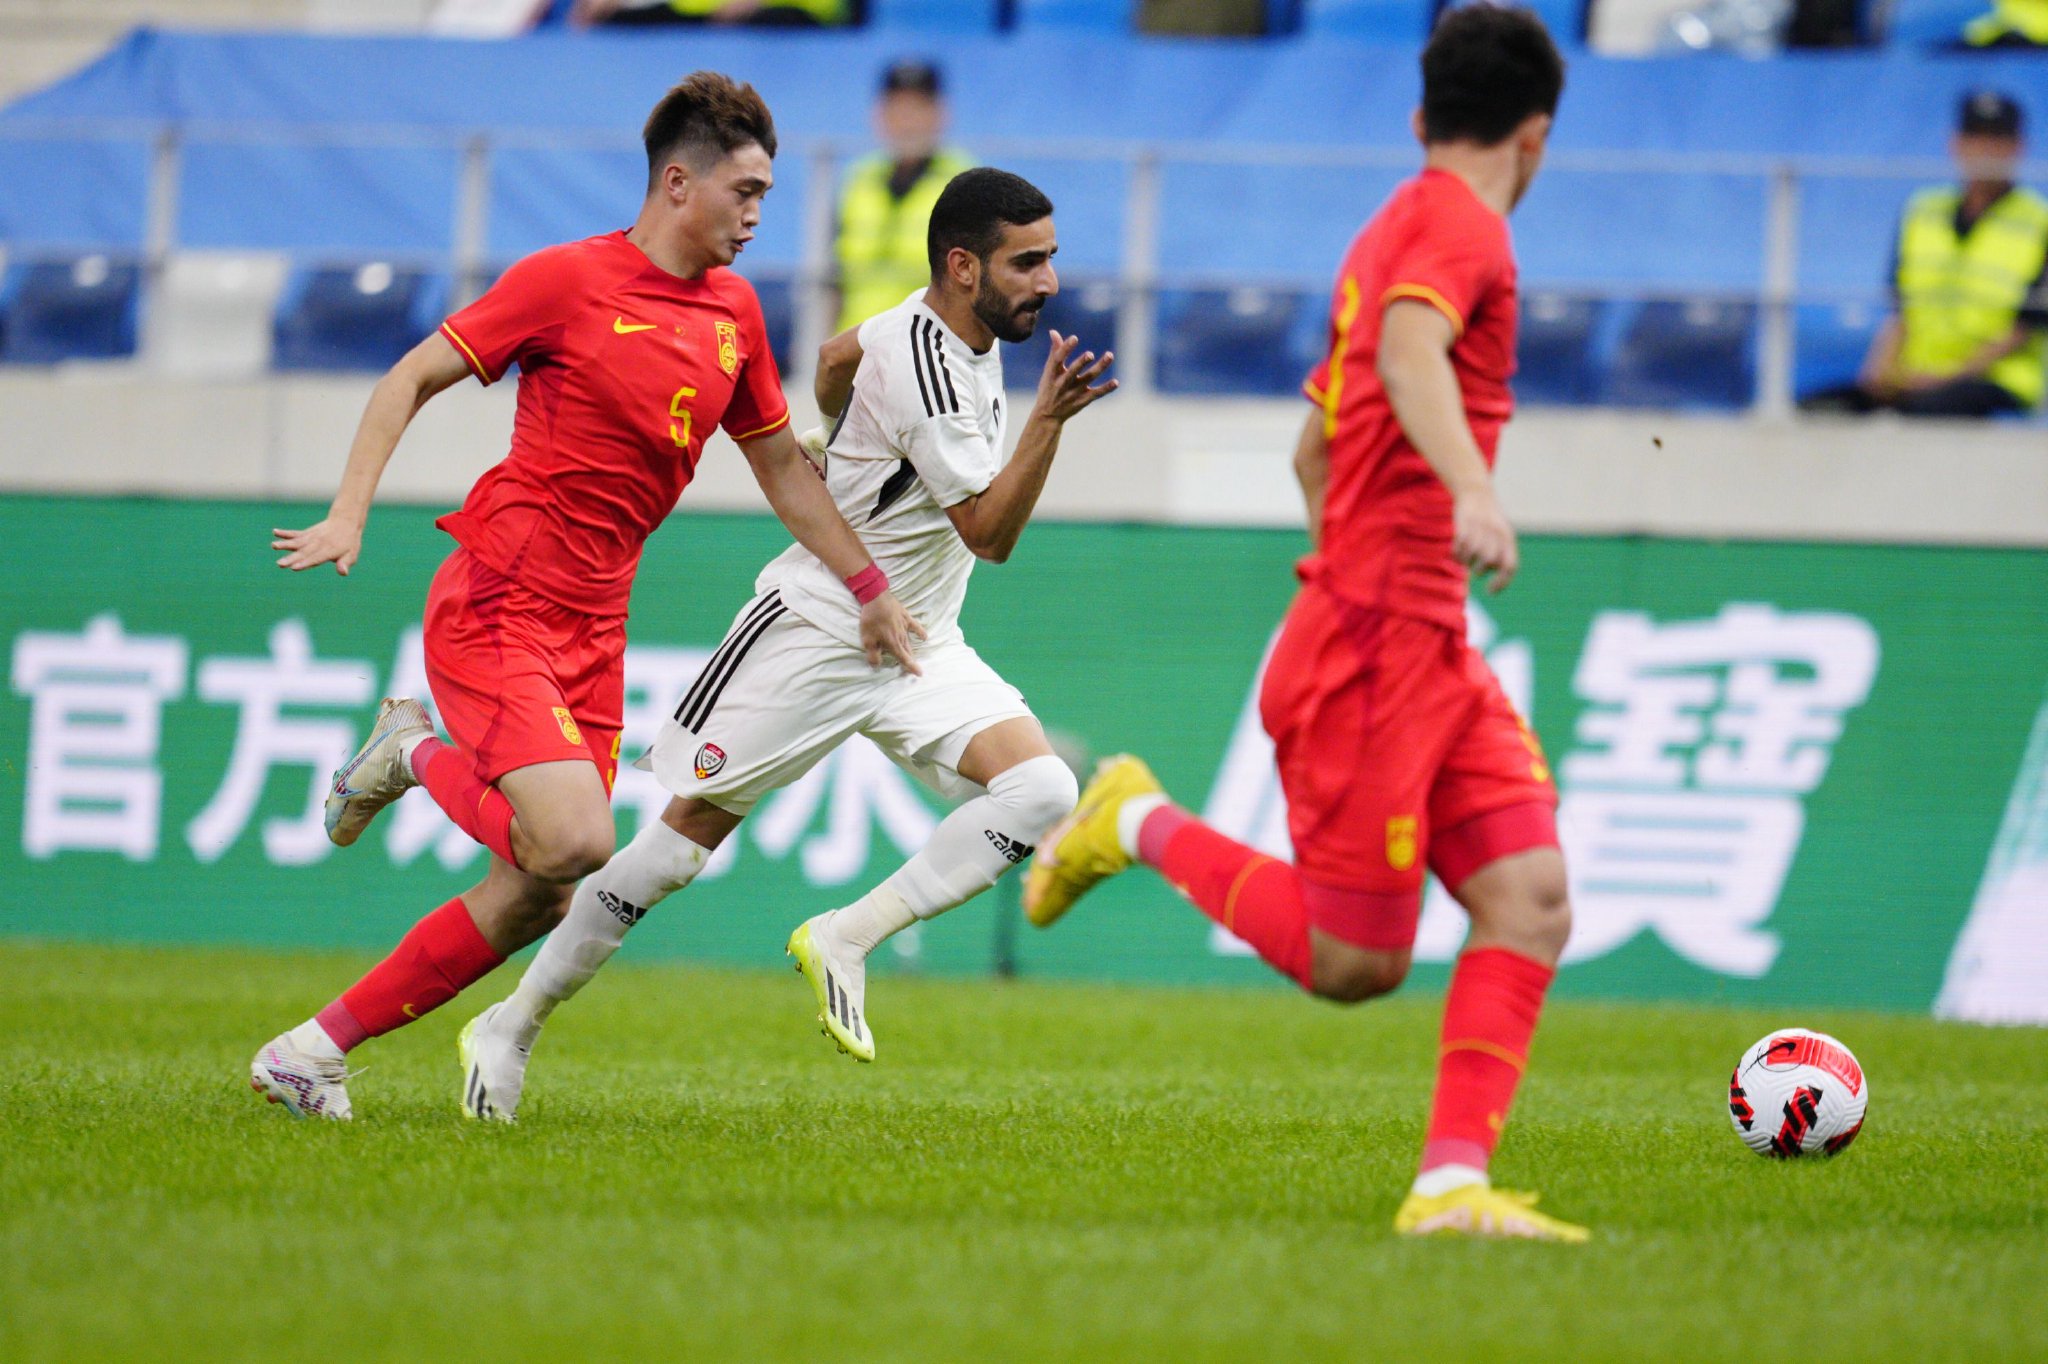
(922, 432)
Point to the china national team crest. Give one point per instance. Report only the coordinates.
(729, 347)
(568, 724)
(710, 761)
(1401, 842)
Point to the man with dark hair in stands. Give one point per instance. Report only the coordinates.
(1969, 287)
(750, 13)
(887, 199)
(631, 347)
(1397, 750)
(915, 461)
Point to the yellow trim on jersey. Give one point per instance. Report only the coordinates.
(775, 425)
(475, 365)
(1423, 293)
(1312, 393)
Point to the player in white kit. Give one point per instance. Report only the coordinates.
(915, 465)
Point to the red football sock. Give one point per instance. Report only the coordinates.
(443, 954)
(1252, 895)
(479, 810)
(1489, 1017)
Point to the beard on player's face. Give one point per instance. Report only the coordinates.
(1011, 319)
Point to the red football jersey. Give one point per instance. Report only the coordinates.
(1386, 533)
(624, 369)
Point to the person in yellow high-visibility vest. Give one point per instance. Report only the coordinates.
(885, 202)
(1969, 285)
(2011, 23)
(755, 13)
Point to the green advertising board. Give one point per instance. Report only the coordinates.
(1792, 773)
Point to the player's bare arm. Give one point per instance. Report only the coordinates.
(800, 499)
(992, 521)
(1312, 471)
(838, 362)
(1415, 368)
(425, 370)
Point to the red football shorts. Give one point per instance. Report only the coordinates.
(1399, 753)
(520, 679)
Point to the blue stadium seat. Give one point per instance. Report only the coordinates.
(1084, 310)
(1554, 352)
(360, 317)
(1924, 23)
(778, 312)
(1097, 16)
(77, 309)
(935, 16)
(1694, 353)
(1566, 19)
(1231, 341)
(1378, 21)
(1829, 341)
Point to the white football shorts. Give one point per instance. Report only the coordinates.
(779, 694)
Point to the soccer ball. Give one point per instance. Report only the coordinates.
(1797, 1092)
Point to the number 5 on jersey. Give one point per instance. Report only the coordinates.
(680, 434)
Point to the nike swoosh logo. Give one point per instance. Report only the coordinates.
(406, 1009)
(622, 326)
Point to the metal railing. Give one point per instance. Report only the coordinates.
(1141, 274)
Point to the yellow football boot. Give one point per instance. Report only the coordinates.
(1480, 1210)
(1083, 848)
(839, 980)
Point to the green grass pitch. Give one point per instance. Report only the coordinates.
(1029, 1172)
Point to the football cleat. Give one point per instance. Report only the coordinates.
(1083, 848)
(377, 774)
(308, 1086)
(841, 989)
(1481, 1210)
(493, 1070)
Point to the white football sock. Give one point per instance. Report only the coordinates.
(969, 852)
(1131, 818)
(312, 1039)
(1444, 1178)
(655, 865)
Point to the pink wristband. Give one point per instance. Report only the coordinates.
(868, 584)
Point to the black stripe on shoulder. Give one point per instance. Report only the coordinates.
(917, 362)
(952, 400)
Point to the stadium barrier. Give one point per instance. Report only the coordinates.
(1791, 772)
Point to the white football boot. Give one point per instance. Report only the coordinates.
(377, 774)
(493, 1069)
(839, 979)
(308, 1086)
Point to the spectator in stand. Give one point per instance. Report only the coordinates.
(1970, 299)
(886, 203)
(756, 13)
(2011, 23)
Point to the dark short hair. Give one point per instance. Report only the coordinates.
(707, 117)
(1487, 68)
(973, 209)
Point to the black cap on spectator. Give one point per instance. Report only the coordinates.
(912, 74)
(1989, 113)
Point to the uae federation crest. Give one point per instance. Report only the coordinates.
(710, 761)
(729, 347)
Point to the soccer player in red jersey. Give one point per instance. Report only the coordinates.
(1397, 750)
(632, 347)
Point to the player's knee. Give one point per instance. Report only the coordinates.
(1355, 977)
(568, 855)
(1037, 794)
